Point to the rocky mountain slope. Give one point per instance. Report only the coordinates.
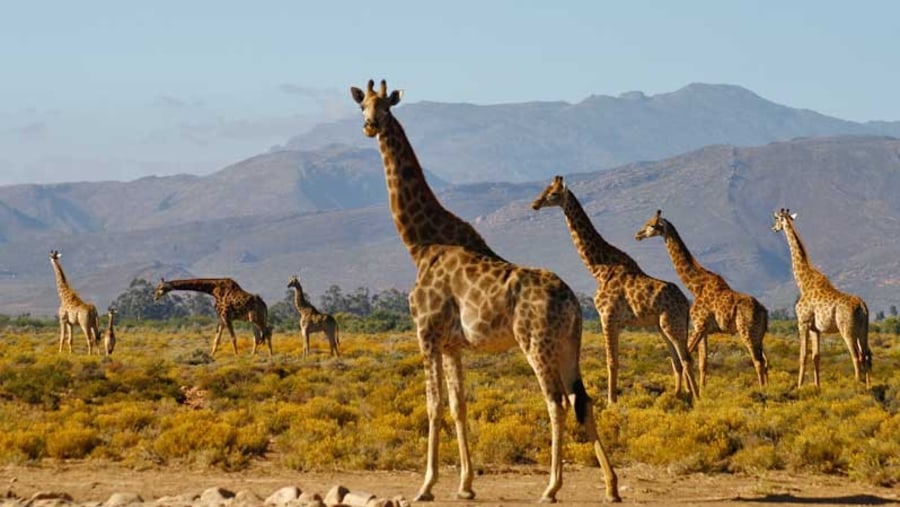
(720, 198)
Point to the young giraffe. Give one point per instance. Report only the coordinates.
(109, 339)
(823, 309)
(465, 296)
(232, 302)
(625, 295)
(72, 310)
(313, 321)
(716, 307)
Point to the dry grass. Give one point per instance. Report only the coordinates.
(161, 400)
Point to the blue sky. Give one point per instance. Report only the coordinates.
(118, 90)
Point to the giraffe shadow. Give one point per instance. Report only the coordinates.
(834, 500)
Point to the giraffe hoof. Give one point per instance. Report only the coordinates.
(614, 498)
(547, 499)
(465, 495)
(424, 497)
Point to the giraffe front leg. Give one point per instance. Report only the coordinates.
(803, 334)
(69, 336)
(215, 346)
(815, 355)
(230, 327)
(305, 332)
(457, 395)
(433, 373)
(611, 337)
(62, 333)
(699, 341)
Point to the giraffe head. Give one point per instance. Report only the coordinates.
(656, 226)
(553, 195)
(162, 289)
(55, 255)
(782, 217)
(111, 312)
(376, 106)
(294, 282)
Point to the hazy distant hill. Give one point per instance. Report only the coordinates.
(720, 198)
(333, 177)
(533, 140)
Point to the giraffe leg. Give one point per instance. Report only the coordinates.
(699, 341)
(590, 426)
(853, 347)
(457, 395)
(753, 342)
(230, 327)
(675, 332)
(803, 334)
(305, 332)
(62, 332)
(815, 355)
(611, 337)
(69, 336)
(433, 373)
(219, 328)
(87, 336)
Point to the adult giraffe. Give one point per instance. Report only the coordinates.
(823, 309)
(466, 296)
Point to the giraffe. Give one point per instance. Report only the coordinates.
(232, 302)
(466, 297)
(312, 320)
(109, 339)
(73, 310)
(716, 307)
(625, 296)
(823, 309)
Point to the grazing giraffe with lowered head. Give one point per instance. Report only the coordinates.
(231, 302)
(467, 297)
(625, 295)
(72, 311)
(823, 309)
(313, 321)
(717, 308)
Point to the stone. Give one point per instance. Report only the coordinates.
(246, 498)
(283, 495)
(122, 499)
(401, 501)
(357, 499)
(336, 496)
(215, 497)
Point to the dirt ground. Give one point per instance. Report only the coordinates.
(639, 485)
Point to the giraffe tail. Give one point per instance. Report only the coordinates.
(582, 401)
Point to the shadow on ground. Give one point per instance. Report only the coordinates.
(836, 500)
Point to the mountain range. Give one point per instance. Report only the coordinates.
(465, 143)
(319, 208)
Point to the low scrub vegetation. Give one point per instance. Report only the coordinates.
(162, 400)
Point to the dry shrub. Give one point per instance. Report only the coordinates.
(72, 441)
(22, 445)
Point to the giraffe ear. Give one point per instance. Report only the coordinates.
(357, 94)
(793, 216)
(395, 97)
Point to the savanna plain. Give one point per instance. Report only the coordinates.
(162, 417)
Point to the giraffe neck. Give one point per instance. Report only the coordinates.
(799, 260)
(686, 266)
(62, 286)
(110, 326)
(205, 285)
(418, 215)
(300, 301)
(593, 249)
